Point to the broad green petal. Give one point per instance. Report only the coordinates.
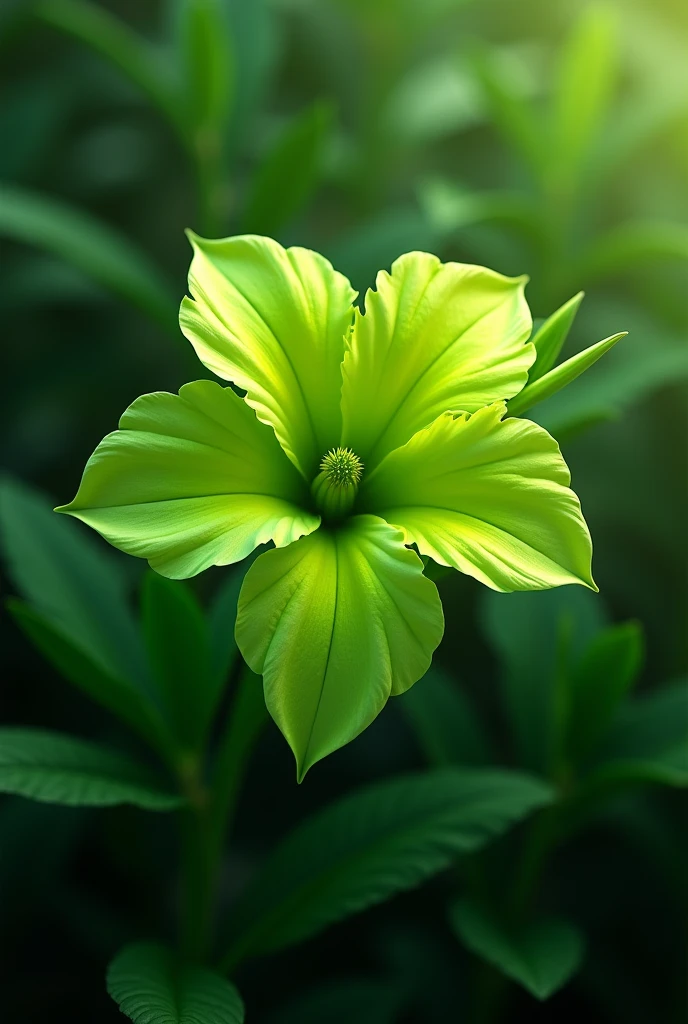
(192, 480)
(435, 336)
(489, 497)
(273, 320)
(336, 623)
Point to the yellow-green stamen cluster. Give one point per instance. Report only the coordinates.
(335, 486)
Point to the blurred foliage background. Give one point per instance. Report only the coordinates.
(549, 138)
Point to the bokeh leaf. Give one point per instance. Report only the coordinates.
(560, 376)
(383, 839)
(444, 721)
(364, 1000)
(632, 246)
(221, 616)
(150, 987)
(550, 337)
(65, 770)
(206, 57)
(600, 681)
(541, 956)
(289, 173)
(177, 636)
(96, 249)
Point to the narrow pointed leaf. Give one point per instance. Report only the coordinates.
(115, 693)
(541, 956)
(151, 987)
(560, 376)
(289, 173)
(381, 840)
(96, 249)
(550, 338)
(207, 61)
(178, 642)
(62, 769)
(583, 90)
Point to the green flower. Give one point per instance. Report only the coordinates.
(360, 434)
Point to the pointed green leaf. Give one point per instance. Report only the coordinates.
(550, 337)
(178, 642)
(561, 375)
(336, 623)
(541, 956)
(273, 321)
(61, 769)
(599, 683)
(116, 694)
(96, 249)
(583, 90)
(72, 581)
(191, 480)
(289, 173)
(434, 336)
(489, 497)
(445, 722)
(385, 838)
(151, 987)
(206, 58)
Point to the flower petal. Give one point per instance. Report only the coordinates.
(435, 336)
(273, 320)
(336, 623)
(192, 480)
(489, 497)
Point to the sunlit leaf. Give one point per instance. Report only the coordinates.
(62, 769)
(560, 376)
(542, 956)
(550, 337)
(151, 987)
(383, 839)
(96, 249)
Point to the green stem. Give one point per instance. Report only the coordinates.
(197, 875)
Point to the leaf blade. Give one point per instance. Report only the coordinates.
(550, 338)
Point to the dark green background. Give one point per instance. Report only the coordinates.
(409, 155)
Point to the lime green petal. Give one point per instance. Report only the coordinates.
(489, 497)
(435, 336)
(273, 321)
(191, 480)
(336, 623)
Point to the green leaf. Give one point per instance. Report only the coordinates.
(288, 176)
(72, 582)
(489, 497)
(94, 248)
(550, 337)
(178, 644)
(206, 56)
(336, 623)
(150, 987)
(538, 638)
(560, 376)
(385, 838)
(599, 683)
(191, 480)
(95, 27)
(633, 246)
(273, 321)
(541, 956)
(61, 769)
(117, 694)
(512, 115)
(648, 742)
(434, 336)
(445, 722)
(583, 90)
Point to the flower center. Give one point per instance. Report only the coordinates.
(335, 486)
